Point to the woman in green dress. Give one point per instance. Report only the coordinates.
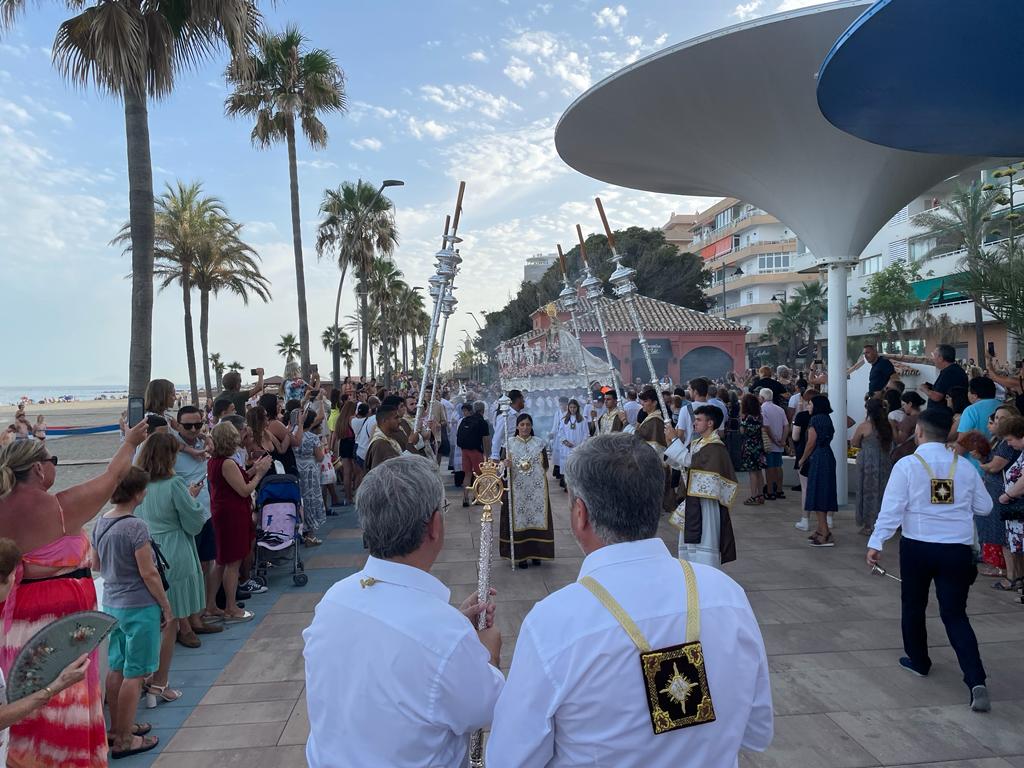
(174, 517)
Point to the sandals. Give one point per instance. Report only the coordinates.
(146, 743)
(246, 616)
(818, 541)
(158, 693)
(189, 642)
(311, 541)
(138, 729)
(754, 501)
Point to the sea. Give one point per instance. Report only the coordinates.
(14, 395)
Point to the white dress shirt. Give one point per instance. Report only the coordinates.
(575, 694)
(498, 440)
(395, 676)
(907, 500)
(631, 409)
(684, 422)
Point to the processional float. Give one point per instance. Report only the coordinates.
(568, 302)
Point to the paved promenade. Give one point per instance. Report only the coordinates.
(831, 630)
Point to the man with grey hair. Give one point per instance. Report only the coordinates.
(775, 423)
(395, 675)
(576, 694)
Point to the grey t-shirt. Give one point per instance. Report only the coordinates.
(123, 586)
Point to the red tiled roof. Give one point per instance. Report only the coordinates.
(657, 316)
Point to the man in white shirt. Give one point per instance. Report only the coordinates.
(595, 409)
(631, 408)
(395, 676)
(516, 406)
(935, 497)
(576, 693)
(698, 394)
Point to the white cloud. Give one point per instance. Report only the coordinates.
(518, 71)
(745, 11)
(453, 98)
(369, 143)
(19, 113)
(319, 165)
(428, 128)
(477, 56)
(610, 17)
(660, 40)
(555, 58)
(361, 109)
(792, 5)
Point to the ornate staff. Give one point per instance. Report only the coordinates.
(487, 488)
(447, 310)
(504, 406)
(568, 301)
(595, 290)
(877, 570)
(447, 262)
(624, 287)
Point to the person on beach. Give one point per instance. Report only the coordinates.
(134, 595)
(54, 580)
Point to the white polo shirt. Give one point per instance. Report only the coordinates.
(575, 693)
(395, 676)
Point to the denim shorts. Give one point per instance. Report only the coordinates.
(135, 640)
(774, 459)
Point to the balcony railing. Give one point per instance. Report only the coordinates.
(715, 232)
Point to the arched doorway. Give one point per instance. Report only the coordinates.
(709, 362)
(660, 351)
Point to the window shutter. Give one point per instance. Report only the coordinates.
(900, 217)
(898, 252)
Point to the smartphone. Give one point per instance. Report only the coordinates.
(136, 410)
(202, 482)
(819, 362)
(253, 372)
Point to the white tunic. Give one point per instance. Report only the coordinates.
(395, 676)
(498, 440)
(575, 695)
(576, 431)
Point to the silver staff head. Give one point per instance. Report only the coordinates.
(567, 298)
(622, 278)
(504, 404)
(448, 302)
(435, 282)
(592, 285)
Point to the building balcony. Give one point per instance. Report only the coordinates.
(737, 283)
(735, 255)
(752, 219)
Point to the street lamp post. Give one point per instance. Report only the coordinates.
(335, 346)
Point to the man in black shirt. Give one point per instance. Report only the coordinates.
(950, 375)
(882, 370)
(780, 395)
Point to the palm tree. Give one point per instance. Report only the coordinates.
(961, 223)
(231, 266)
(235, 366)
(409, 306)
(358, 226)
(812, 301)
(334, 335)
(134, 50)
(185, 220)
(218, 366)
(285, 84)
(381, 285)
(786, 329)
(288, 347)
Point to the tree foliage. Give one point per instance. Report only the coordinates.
(889, 296)
(661, 273)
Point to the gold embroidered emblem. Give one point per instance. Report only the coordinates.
(942, 491)
(677, 687)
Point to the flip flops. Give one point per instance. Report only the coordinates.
(147, 743)
(246, 616)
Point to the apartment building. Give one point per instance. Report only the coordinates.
(537, 265)
(755, 262)
(679, 230)
(944, 311)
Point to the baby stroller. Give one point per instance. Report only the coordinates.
(278, 505)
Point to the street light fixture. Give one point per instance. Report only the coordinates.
(475, 320)
(335, 347)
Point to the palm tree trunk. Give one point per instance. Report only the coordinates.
(336, 346)
(979, 337)
(405, 352)
(204, 341)
(141, 216)
(415, 353)
(190, 342)
(300, 273)
(364, 331)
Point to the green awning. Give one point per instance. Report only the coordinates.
(938, 288)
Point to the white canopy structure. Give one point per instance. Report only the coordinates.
(734, 113)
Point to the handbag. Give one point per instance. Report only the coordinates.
(328, 476)
(162, 566)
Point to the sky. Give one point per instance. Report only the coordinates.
(438, 92)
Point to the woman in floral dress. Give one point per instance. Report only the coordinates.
(752, 458)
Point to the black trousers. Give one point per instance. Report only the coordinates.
(951, 567)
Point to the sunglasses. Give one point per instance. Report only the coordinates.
(51, 459)
(197, 425)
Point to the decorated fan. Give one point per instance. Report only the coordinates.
(53, 647)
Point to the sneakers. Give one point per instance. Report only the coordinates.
(908, 665)
(979, 699)
(253, 587)
(802, 525)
